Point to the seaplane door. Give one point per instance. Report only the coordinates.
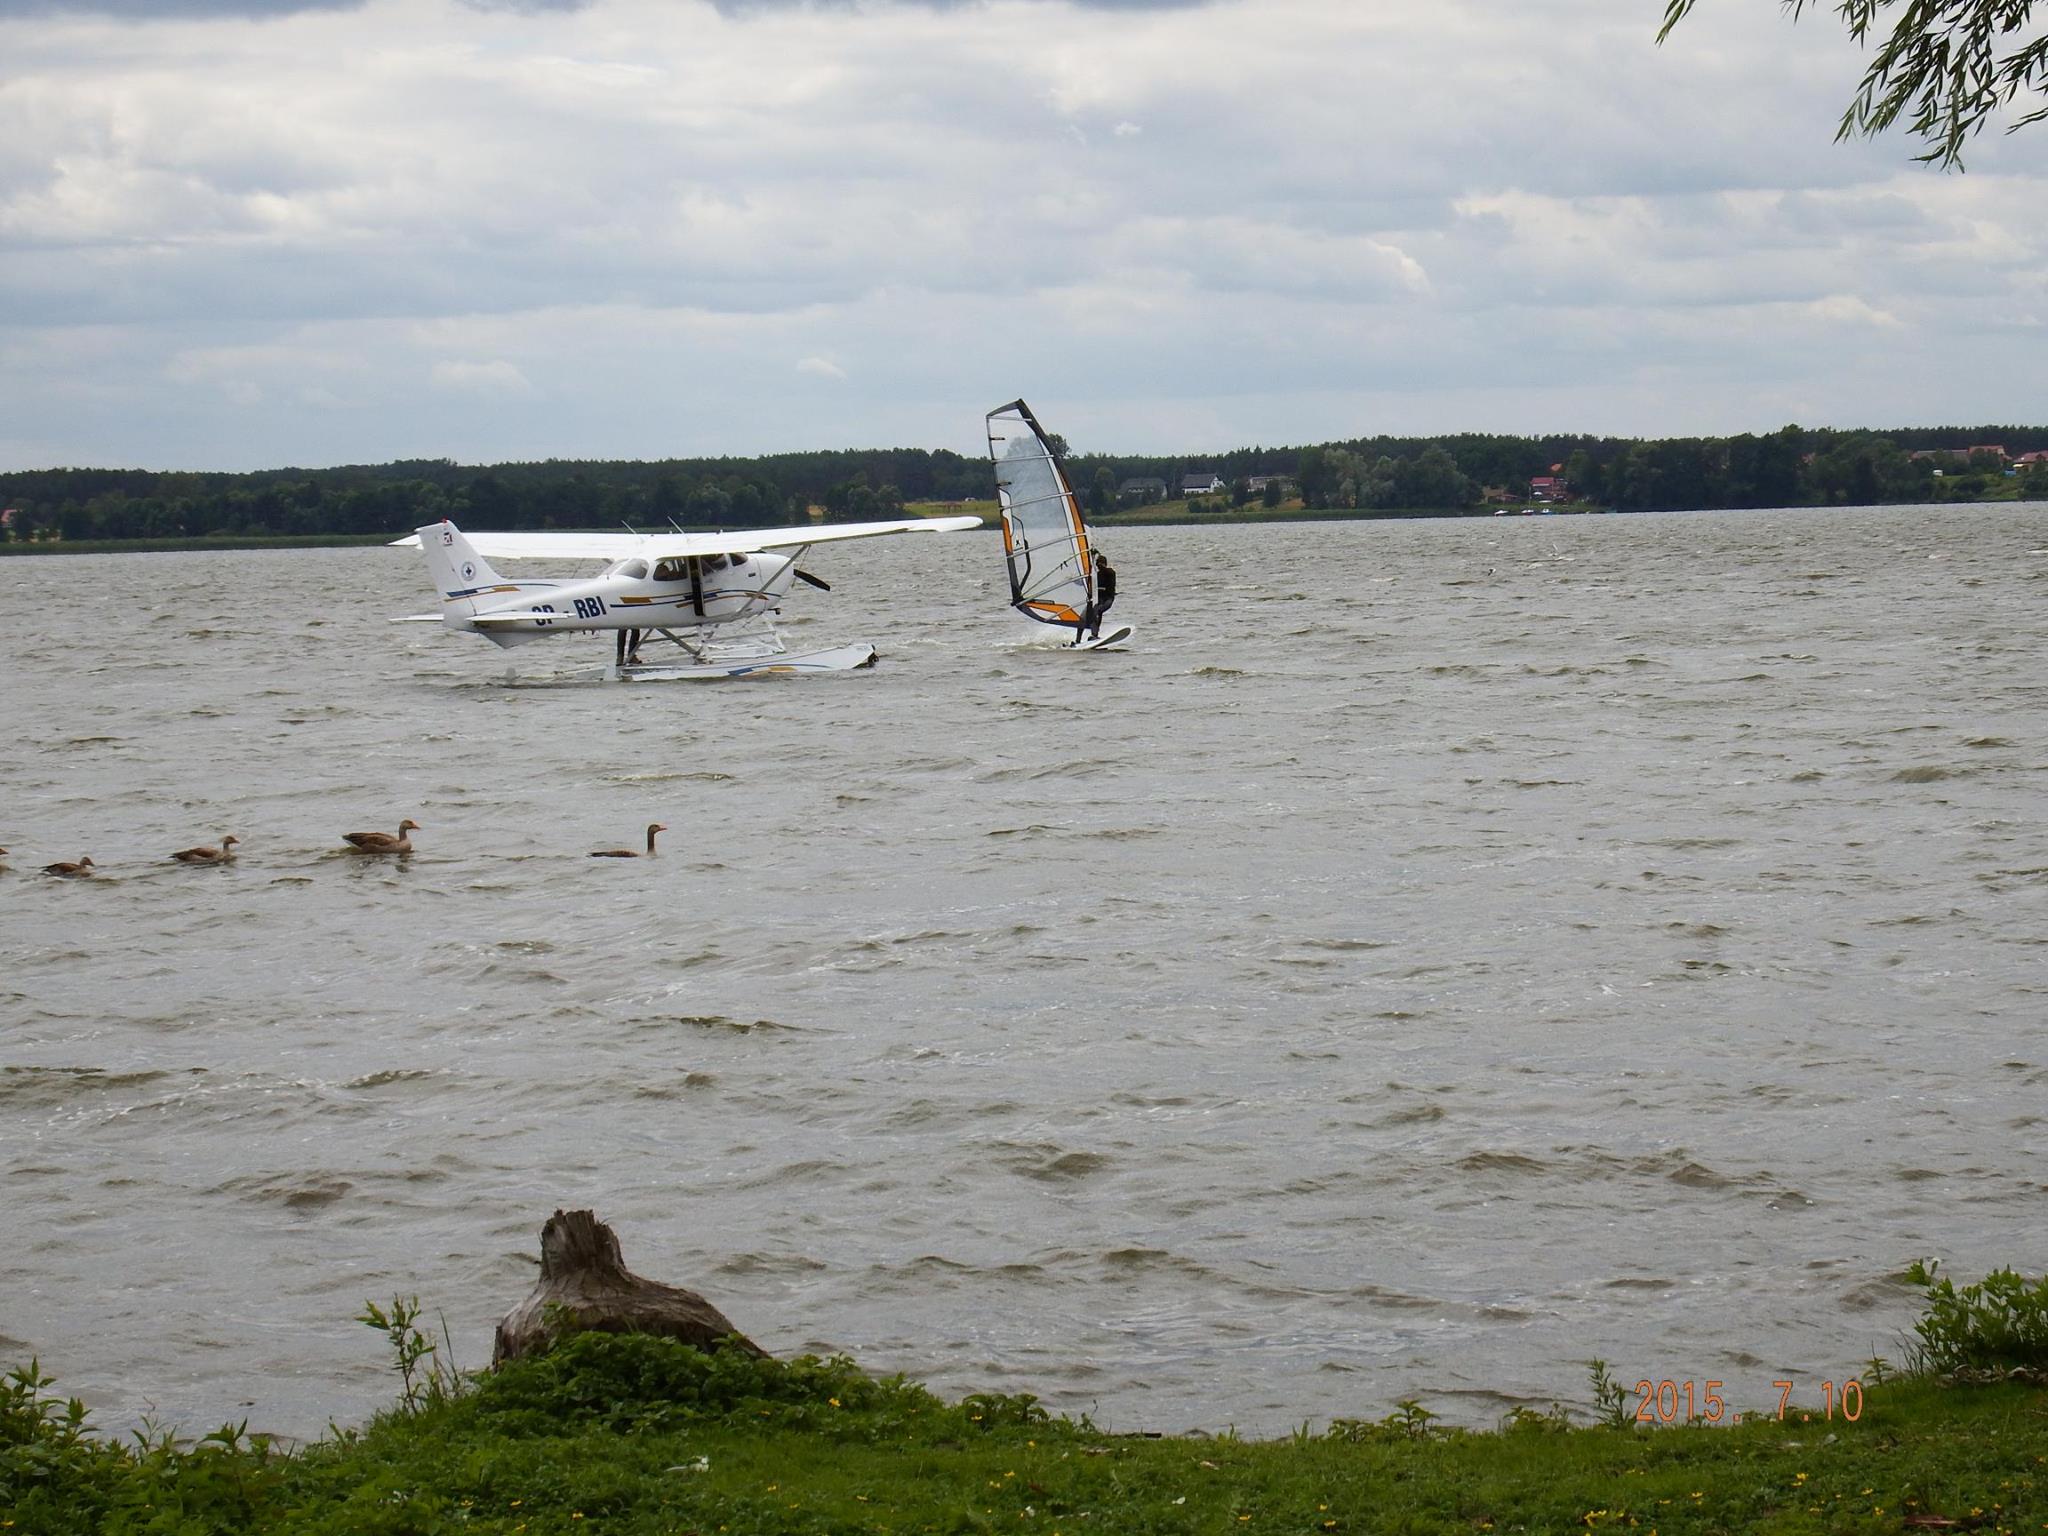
(675, 568)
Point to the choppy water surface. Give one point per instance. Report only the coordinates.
(1436, 954)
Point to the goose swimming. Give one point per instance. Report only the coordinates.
(224, 854)
(383, 842)
(632, 853)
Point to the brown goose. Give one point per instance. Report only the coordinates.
(221, 855)
(69, 870)
(633, 853)
(383, 842)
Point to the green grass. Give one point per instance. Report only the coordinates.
(899, 1466)
(639, 1435)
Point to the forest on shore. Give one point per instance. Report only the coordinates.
(1462, 472)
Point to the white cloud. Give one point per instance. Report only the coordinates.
(391, 220)
(496, 377)
(1848, 309)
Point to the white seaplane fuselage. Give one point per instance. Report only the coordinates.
(676, 592)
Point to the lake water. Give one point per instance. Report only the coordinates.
(1434, 954)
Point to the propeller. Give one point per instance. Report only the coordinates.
(818, 582)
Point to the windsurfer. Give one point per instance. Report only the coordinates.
(1055, 576)
(1105, 594)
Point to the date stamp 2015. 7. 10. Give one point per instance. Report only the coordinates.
(1667, 1401)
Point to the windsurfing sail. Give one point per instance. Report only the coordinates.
(1051, 575)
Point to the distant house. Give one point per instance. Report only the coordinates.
(1141, 492)
(1257, 484)
(2029, 460)
(1203, 483)
(1962, 455)
(1549, 488)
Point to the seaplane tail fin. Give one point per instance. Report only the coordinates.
(461, 575)
(467, 584)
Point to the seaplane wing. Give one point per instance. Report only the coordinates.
(746, 543)
(662, 546)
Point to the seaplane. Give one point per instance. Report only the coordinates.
(1045, 542)
(714, 596)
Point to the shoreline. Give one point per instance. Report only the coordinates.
(1138, 517)
(221, 542)
(642, 1435)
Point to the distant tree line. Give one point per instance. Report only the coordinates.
(1792, 467)
(396, 498)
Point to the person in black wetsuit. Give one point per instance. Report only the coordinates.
(1105, 594)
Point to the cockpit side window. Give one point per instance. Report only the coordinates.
(672, 569)
(633, 570)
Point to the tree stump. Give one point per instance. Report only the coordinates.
(583, 1273)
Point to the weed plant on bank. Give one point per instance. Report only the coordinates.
(632, 1434)
(1997, 1327)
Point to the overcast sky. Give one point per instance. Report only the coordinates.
(248, 233)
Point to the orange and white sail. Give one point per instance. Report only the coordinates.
(1045, 542)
